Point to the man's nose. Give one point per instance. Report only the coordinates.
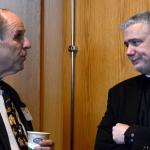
(26, 43)
(131, 50)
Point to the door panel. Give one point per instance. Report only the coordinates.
(100, 62)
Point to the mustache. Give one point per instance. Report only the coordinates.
(133, 58)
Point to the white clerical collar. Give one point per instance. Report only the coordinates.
(147, 75)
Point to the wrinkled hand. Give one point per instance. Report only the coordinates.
(118, 132)
(45, 145)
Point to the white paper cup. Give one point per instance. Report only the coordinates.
(35, 137)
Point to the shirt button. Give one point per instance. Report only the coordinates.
(132, 134)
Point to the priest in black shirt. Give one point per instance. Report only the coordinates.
(126, 123)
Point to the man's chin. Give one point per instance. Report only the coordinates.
(12, 70)
(18, 68)
(142, 70)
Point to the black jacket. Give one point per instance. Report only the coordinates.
(4, 141)
(123, 107)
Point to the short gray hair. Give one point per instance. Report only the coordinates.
(142, 17)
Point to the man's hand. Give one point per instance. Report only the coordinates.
(118, 132)
(45, 145)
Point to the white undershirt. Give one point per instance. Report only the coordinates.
(12, 140)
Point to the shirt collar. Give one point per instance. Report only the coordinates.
(147, 75)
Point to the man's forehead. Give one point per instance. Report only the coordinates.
(12, 19)
(137, 30)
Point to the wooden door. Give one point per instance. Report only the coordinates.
(100, 62)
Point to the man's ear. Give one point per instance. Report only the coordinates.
(2, 41)
(4, 44)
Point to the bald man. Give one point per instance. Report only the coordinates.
(14, 123)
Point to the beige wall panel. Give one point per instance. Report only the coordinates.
(100, 63)
(27, 82)
(53, 70)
